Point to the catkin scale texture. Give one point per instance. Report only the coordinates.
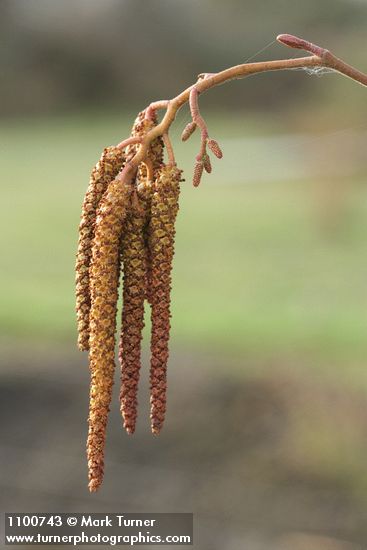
(103, 173)
(164, 208)
(134, 289)
(135, 260)
(104, 276)
(198, 172)
(155, 154)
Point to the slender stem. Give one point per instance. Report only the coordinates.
(320, 58)
(128, 172)
(169, 149)
(341, 67)
(199, 121)
(128, 141)
(153, 107)
(150, 169)
(236, 72)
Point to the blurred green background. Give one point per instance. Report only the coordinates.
(269, 297)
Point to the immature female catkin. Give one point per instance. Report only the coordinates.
(164, 210)
(104, 275)
(134, 253)
(103, 173)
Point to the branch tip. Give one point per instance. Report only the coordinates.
(320, 57)
(170, 153)
(300, 44)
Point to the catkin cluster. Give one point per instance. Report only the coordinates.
(136, 265)
(127, 225)
(103, 173)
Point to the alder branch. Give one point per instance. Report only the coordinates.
(131, 223)
(320, 57)
(329, 60)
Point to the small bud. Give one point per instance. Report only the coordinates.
(214, 147)
(188, 131)
(198, 172)
(207, 164)
(295, 42)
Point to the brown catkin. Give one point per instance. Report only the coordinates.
(134, 257)
(103, 173)
(135, 260)
(164, 208)
(104, 275)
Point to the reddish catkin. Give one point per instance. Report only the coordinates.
(103, 173)
(188, 130)
(104, 275)
(198, 172)
(214, 147)
(135, 259)
(207, 164)
(164, 210)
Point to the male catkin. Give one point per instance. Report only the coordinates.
(164, 210)
(104, 275)
(135, 260)
(103, 173)
(134, 290)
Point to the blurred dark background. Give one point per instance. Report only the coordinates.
(265, 438)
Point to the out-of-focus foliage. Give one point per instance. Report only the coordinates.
(87, 52)
(265, 438)
(270, 257)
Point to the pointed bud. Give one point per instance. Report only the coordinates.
(198, 172)
(214, 147)
(188, 131)
(295, 42)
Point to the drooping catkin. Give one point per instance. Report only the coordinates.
(214, 147)
(164, 210)
(104, 275)
(134, 257)
(103, 173)
(198, 172)
(188, 130)
(135, 260)
(207, 164)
